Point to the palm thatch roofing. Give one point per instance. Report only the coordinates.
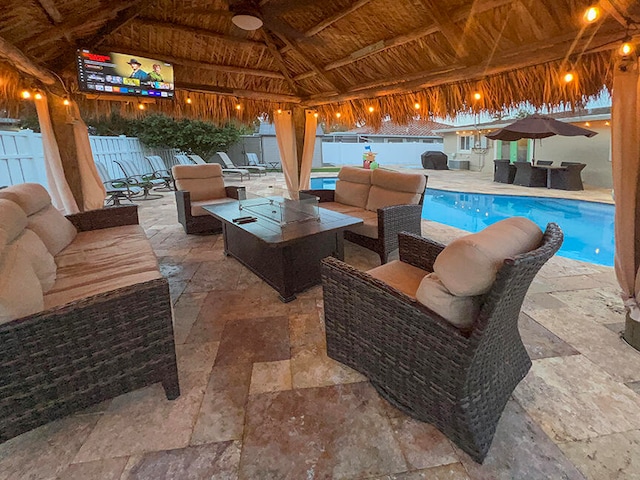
(353, 61)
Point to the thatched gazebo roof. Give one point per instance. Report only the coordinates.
(397, 57)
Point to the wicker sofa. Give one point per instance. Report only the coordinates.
(388, 202)
(85, 314)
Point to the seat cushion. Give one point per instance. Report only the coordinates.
(20, 290)
(352, 186)
(201, 181)
(100, 261)
(401, 276)
(460, 311)
(468, 265)
(339, 207)
(394, 188)
(370, 226)
(197, 210)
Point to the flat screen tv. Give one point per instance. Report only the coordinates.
(122, 74)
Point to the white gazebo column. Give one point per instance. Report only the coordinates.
(625, 156)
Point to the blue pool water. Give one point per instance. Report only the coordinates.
(587, 226)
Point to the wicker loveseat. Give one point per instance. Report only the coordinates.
(85, 314)
(388, 202)
(457, 368)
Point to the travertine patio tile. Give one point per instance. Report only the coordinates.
(610, 457)
(595, 341)
(144, 421)
(541, 301)
(571, 399)
(185, 313)
(565, 267)
(354, 440)
(306, 329)
(454, 471)
(270, 377)
(540, 342)
(310, 367)
(602, 305)
(45, 452)
(196, 357)
(215, 275)
(214, 461)
(107, 469)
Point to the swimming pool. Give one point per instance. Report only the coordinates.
(587, 226)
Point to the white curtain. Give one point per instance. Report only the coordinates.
(625, 157)
(61, 195)
(310, 126)
(93, 191)
(286, 137)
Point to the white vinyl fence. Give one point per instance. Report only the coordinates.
(407, 154)
(22, 158)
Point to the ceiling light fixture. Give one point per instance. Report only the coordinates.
(247, 17)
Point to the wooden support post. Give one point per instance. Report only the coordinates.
(63, 131)
(299, 120)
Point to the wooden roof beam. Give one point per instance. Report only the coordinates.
(548, 50)
(200, 32)
(452, 33)
(612, 10)
(279, 60)
(51, 11)
(266, 96)
(334, 18)
(23, 63)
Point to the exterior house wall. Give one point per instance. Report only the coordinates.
(477, 162)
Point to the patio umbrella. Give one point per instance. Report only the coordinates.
(538, 126)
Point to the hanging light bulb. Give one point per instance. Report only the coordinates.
(607, 123)
(591, 14)
(66, 102)
(315, 114)
(626, 49)
(38, 96)
(238, 106)
(189, 100)
(279, 111)
(338, 115)
(140, 106)
(568, 77)
(477, 96)
(416, 106)
(25, 94)
(371, 109)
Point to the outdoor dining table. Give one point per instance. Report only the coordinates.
(549, 169)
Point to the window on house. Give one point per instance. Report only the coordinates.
(466, 142)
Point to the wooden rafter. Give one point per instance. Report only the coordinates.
(279, 61)
(547, 50)
(200, 32)
(188, 62)
(309, 62)
(451, 32)
(334, 18)
(612, 10)
(23, 63)
(51, 11)
(273, 97)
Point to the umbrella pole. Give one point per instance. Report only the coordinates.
(533, 153)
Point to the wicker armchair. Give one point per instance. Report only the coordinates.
(458, 380)
(569, 177)
(503, 171)
(529, 176)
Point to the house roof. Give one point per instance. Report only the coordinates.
(336, 56)
(600, 113)
(416, 128)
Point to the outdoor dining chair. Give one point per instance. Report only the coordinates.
(442, 347)
(503, 171)
(529, 176)
(569, 177)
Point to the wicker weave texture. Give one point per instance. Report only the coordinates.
(457, 380)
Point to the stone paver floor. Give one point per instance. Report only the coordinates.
(261, 399)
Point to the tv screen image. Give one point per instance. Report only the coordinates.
(123, 74)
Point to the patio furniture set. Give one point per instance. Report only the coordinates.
(566, 176)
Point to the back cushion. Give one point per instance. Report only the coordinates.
(394, 188)
(352, 187)
(41, 259)
(20, 290)
(203, 182)
(55, 231)
(461, 311)
(468, 265)
(13, 220)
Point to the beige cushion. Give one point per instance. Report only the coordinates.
(203, 182)
(460, 311)
(370, 226)
(55, 231)
(41, 259)
(339, 207)
(31, 197)
(401, 276)
(20, 290)
(468, 265)
(197, 210)
(13, 220)
(394, 188)
(100, 261)
(352, 186)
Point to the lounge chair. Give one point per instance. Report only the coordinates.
(196, 186)
(450, 359)
(144, 180)
(117, 188)
(529, 176)
(503, 171)
(254, 162)
(229, 165)
(182, 159)
(160, 170)
(197, 159)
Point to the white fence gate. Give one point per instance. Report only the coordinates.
(22, 158)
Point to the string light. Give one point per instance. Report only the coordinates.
(568, 77)
(416, 106)
(338, 115)
(238, 106)
(66, 102)
(25, 94)
(591, 14)
(477, 96)
(587, 124)
(38, 96)
(140, 106)
(189, 100)
(607, 123)
(625, 49)
(371, 109)
(315, 114)
(279, 111)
